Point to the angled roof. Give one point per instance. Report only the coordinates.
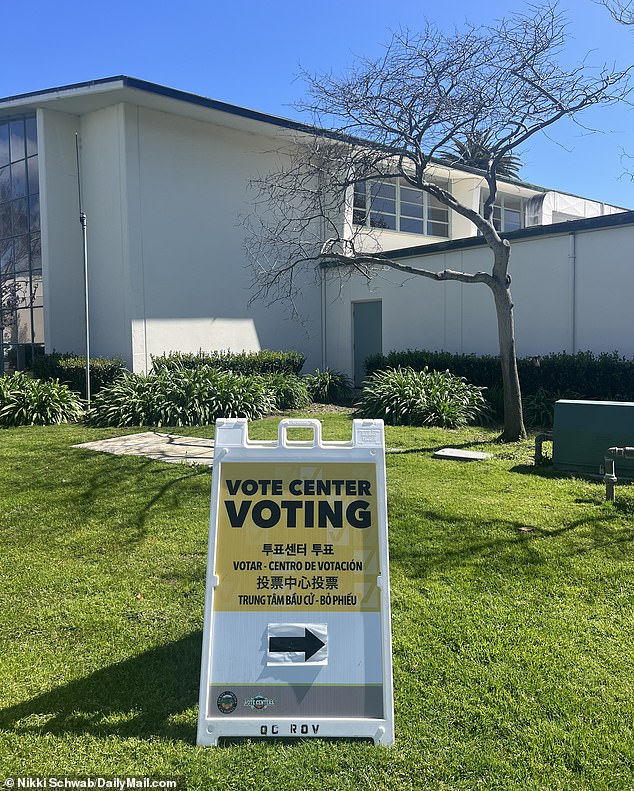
(85, 97)
(94, 94)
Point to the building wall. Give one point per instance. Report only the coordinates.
(105, 201)
(571, 293)
(103, 194)
(469, 189)
(62, 258)
(187, 197)
(604, 286)
(164, 196)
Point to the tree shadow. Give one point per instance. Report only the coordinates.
(137, 697)
(151, 477)
(469, 548)
(547, 470)
(505, 545)
(127, 490)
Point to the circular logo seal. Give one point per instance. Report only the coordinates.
(227, 702)
(259, 703)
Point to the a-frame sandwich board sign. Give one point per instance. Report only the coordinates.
(297, 639)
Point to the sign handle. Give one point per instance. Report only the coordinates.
(282, 437)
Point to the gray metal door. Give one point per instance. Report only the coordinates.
(367, 335)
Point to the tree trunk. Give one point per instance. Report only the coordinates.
(513, 419)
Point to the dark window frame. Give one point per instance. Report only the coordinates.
(370, 203)
(19, 238)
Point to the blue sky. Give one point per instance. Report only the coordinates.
(250, 53)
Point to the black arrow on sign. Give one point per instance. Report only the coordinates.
(309, 644)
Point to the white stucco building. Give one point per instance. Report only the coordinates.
(572, 286)
(165, 184)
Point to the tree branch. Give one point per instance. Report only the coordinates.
(374, 261)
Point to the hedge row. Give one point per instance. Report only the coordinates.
(179, 396)
(262, 362)
(182, 397)
(607, 377)
(200, 395)
(70, 369)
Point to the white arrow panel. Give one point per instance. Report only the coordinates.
(240, 648)
(297, 644)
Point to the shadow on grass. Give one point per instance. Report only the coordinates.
(505, 546)
(154, 480)
(546, 470)
(469, 547)
(123, 492)
(133, 698)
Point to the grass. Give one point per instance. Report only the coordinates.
(512, 605)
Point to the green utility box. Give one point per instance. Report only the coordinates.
(584, 430)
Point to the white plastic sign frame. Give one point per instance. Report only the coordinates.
(297, 637)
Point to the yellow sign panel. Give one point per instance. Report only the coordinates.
(297, 536)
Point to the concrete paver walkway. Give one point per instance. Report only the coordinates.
(155, 445)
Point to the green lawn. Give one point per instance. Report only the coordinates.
(512, 617)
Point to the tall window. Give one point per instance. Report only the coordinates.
(398, 206)
(21, 311)
(508, 212)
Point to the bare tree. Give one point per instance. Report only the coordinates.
(622, 10)
(15, 291)
(11, 294)
(11, 297)
(391, 118)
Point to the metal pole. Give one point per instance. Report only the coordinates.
(82, 220)
(609, 478)
(610, 469)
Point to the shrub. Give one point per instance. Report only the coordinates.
(70, 369)
(181, 397)
(328, 386)
(262, 362)
(404, 397)
(539, 408)
(483, 370)
(28, 402)
(606, 376)
(494, 397)
(289, 391)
